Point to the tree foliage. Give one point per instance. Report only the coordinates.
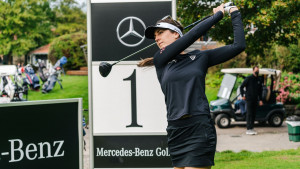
(69, 18)
(283, 58)
(69, 46)
(28, 24)
(24, 25)
(275, 22)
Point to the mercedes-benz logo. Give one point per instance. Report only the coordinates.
(131, 31)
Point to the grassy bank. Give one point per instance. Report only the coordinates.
(289, 159)
(73, 87)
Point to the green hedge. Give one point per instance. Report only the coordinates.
(69, 46)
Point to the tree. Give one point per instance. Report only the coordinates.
(24, 25)
(69, 18)
(69, 45)
(275, 22)
(283, 58)
(294, 59)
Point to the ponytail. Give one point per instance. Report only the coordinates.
(146, 62)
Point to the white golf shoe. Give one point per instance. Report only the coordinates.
(251, 132)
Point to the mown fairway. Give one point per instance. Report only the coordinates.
(73, 87)
(253, 160)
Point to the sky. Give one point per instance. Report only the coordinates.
(82, 3)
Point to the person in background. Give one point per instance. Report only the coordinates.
(240, 104)
(253, 96)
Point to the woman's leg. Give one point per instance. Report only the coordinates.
(178, 167)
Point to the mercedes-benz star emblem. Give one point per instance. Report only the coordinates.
(131, 31)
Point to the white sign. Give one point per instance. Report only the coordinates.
(129, 99)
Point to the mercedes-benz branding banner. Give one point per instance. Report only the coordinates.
(127, 109)
(118, 28)
(40, 135)
(131, 152)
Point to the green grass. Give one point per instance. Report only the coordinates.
(287, 159)
(211, 93)
(73, 87)
(212, 85)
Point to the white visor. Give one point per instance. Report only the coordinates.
(149, 32)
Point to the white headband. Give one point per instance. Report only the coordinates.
(169, 26)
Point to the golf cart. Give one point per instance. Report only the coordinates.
(223, 110)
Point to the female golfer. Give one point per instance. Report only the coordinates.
(191, 132)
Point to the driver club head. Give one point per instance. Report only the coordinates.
(104, 68)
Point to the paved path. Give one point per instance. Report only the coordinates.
(267, 139)
(86, 152)
(235, 139)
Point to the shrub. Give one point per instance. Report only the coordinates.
(69, 46)
(289, 89)
(213, 80)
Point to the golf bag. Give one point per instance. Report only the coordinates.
(54, 76)
(43, 71)
(20, 89)
(7, 87)
(13, 89)
(31, 78)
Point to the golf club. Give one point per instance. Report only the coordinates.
(105, 68)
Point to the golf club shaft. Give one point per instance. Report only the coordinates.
(195, 23)
(155, 42)
(135, 53)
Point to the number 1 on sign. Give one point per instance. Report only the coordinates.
(132, 78)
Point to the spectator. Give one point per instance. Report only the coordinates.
(253, 94)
